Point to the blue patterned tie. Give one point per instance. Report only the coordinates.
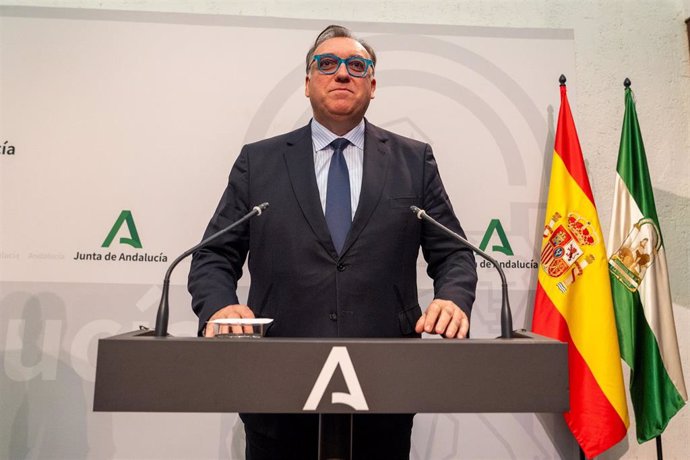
(338, 207)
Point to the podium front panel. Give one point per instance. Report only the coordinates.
(139, 372)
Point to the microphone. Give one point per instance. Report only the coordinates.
(506, 316)
(162, 316)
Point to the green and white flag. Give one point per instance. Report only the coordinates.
(641, 291)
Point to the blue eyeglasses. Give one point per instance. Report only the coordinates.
(356, 66)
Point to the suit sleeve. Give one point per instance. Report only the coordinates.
(216, 269)
(449, 264)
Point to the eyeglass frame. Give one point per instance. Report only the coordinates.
(368, 62)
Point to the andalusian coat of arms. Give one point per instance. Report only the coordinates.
(630, 262)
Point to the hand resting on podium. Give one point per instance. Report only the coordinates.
(231, 311)
(445, 318)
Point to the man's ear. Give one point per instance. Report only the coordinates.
(306, 86)
(373, 88)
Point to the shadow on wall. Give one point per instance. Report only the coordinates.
(673, 215)
(232, 439)
(543, 195)
(43, 404)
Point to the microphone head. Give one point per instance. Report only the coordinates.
(260, 208)
(418, 212)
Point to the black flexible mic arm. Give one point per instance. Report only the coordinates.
(506, 316)
(162, 316)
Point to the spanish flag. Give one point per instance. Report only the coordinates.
(573, 301)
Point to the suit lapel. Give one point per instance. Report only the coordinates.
(299, 158)
(376, 157)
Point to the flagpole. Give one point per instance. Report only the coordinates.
(626, 82)
(562, 81)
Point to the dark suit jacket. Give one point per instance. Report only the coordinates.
(297, 277)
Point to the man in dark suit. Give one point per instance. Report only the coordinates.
(335, 256)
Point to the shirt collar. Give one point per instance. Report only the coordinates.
(322, 136)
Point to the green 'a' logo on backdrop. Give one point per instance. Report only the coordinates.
(496, 227)
(133, 240)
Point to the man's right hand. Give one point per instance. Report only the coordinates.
(231, 311)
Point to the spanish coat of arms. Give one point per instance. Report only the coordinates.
(564, 252)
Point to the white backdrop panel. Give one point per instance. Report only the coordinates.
(146, 112)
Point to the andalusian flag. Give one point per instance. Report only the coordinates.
(641, 293)
(573, 300)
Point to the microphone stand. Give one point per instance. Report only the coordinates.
(162, 316)
(506, 316)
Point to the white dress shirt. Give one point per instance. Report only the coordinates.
(354, 157)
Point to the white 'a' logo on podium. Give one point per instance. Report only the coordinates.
(355, 398)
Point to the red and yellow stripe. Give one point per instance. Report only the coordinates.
(583, 315)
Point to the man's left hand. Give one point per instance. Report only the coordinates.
(445, 318)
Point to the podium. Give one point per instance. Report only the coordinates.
(137, 372)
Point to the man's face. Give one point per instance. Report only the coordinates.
(339, 101)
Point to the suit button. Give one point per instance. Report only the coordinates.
(333, 317)
(340, 267)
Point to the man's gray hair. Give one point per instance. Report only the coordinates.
(334, 31)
